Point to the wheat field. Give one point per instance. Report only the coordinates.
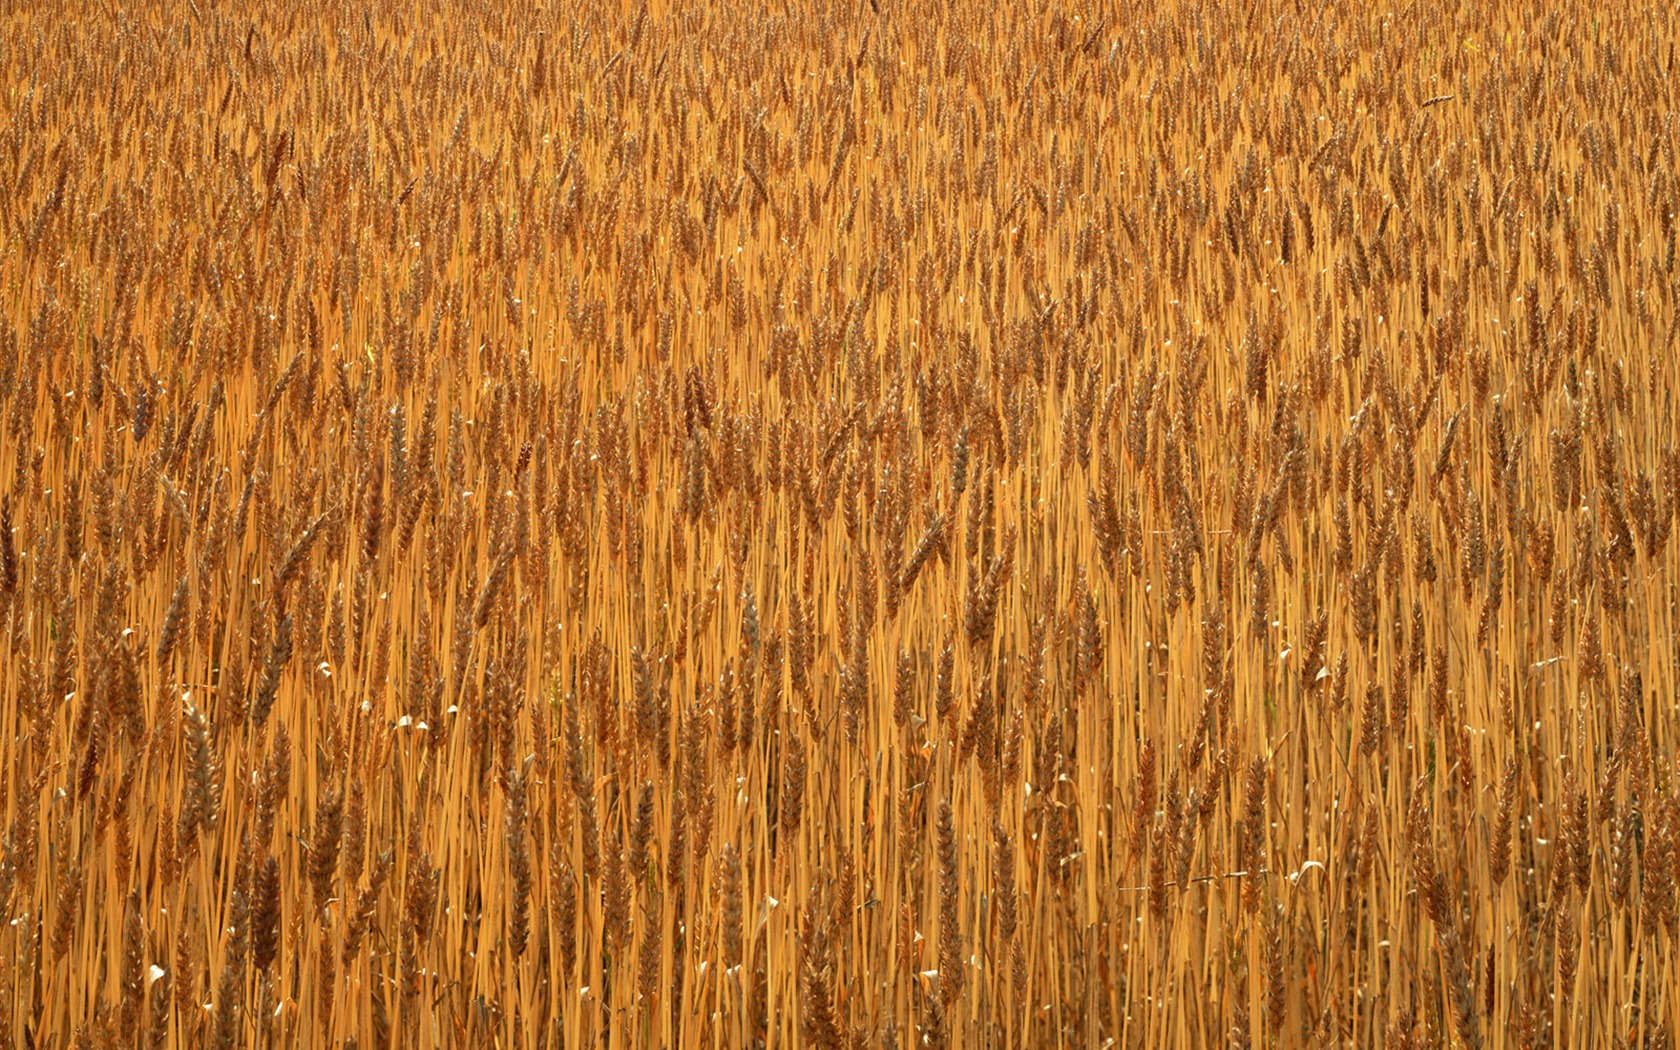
(831, 525)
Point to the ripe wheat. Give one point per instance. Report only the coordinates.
(897, 524)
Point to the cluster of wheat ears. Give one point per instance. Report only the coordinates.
(837, 525)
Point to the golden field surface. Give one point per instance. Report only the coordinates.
(837, 525)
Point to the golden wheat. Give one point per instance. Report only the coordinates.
(943, 525)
